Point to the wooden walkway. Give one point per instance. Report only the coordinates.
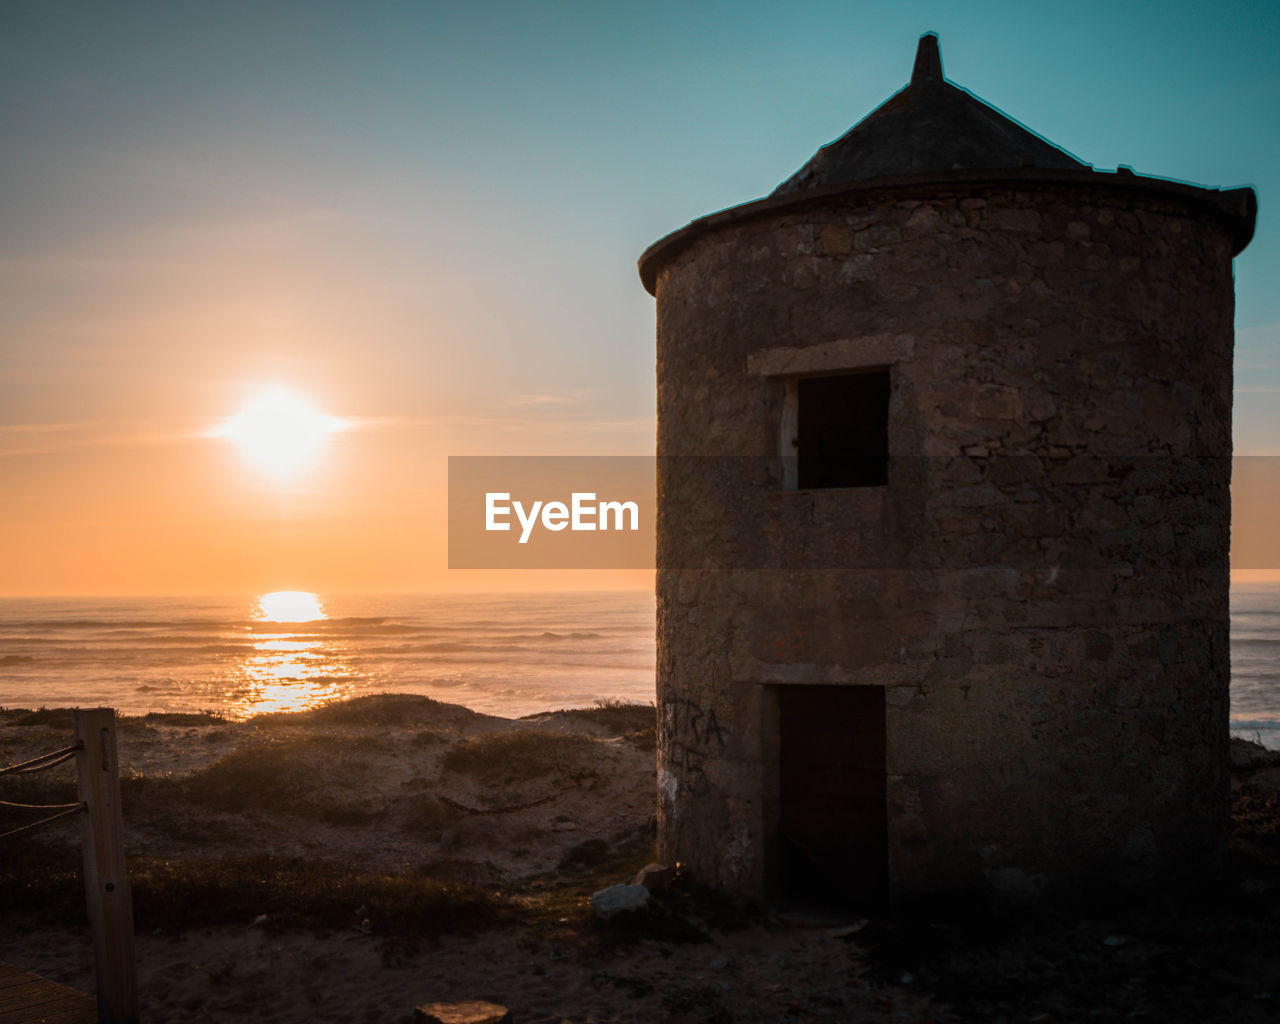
(27, 998)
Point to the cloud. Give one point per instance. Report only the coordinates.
(573, 398)
(54, 438)
(27, 439)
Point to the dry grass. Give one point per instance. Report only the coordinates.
(191, 822)
(54, 718)
(375, 710)
(620, 717)
(60, 718)
(1255, 805)
(174, 895)
(273, 774)
(519, 756)
(296, 892)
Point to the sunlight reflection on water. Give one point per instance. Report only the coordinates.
(295, 665)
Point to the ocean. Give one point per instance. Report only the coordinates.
(509, 654)
(1255, 662)
(505, 654)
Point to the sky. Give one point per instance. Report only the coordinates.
(424, 219)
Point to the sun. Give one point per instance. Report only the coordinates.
(289, 606)
(280, 432)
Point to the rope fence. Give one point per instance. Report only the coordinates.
(106, 883)
(37, 807)
(70, 809)
(42, 763)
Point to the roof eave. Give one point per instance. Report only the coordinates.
(1238, 207)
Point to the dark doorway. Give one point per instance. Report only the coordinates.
(842, 430)
(832, 818)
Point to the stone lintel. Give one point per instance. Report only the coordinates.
(869, 352)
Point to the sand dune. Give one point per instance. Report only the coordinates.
(350, 863)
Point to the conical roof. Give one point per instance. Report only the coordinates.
(933, 135)
(929, 126)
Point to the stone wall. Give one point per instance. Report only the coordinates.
(1042, 586)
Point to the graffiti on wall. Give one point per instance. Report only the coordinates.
(691, 734)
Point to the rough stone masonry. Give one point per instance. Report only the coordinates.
(1036, 597)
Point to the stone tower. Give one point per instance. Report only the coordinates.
(944, 437)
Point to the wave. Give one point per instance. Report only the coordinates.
(164, 628)
(318, 680)
(1259, 618)
(100, 625)
(1240, 724)
(459, 647)
(329, 627)
(1254, 684)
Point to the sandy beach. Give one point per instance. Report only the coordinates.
(353, 862)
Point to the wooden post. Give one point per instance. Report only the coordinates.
(106, 886)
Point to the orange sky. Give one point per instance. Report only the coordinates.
(424, 219)
(125, 510)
